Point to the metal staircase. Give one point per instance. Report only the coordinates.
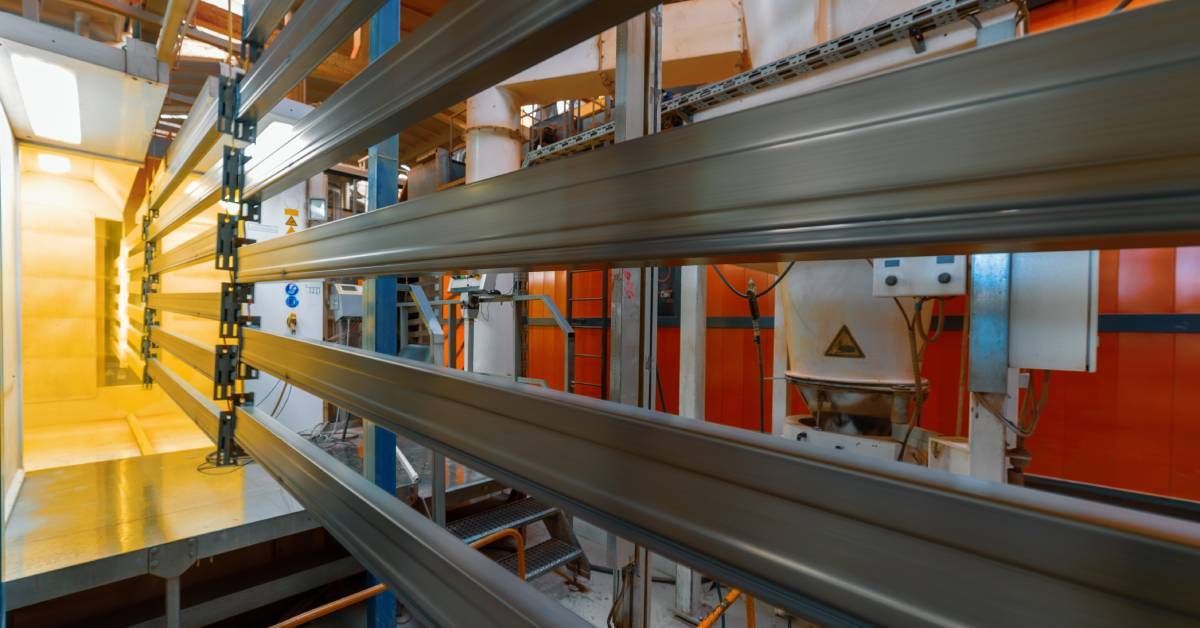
(561, 549)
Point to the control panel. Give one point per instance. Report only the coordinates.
(932, 276)
(472, 283)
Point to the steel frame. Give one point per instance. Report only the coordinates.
(992, 152)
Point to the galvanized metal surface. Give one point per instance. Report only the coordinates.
(990, 280)
(260, 17)
(77, 527)
(875, 167)
(442, 581)
(840, 540)
(468, 46)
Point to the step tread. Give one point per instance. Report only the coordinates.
(543, 557)
(511, 515)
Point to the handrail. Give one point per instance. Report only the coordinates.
(331, 607)
(507, 533)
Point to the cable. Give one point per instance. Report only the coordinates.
(1029, 412)
(1120, 7)
(761, 294)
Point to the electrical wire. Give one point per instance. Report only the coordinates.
(1029, 412)
(764, 293)
(1120, 7)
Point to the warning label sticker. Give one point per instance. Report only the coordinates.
(844, 345)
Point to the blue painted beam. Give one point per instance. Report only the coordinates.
(382, 173)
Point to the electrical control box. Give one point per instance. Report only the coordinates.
(472, 283)
(931, 276)
(345, 301)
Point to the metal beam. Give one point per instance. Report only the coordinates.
(195, 140)
(998, 150)
(198, 356)
(316, 30)
(260, 17)
(440, 579)
(199, 249)
(172, 25)
(198, 304)
(186, 205)
(844, 535)
(468, 46)
(197, 406)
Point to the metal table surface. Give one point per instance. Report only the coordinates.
(77, 527)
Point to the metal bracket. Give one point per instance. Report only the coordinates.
(251, 210)
(227, 369)
(228, 98)
(228, 241)
(918, 40)
(233, 295)
(233, 174)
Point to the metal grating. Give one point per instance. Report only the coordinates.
(543, 558)
(511, 515)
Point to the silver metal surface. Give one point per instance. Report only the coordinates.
(203, 412)
(197, 250)
(315, 30)
(78, 527)
(195, 140)
(442, 581)
(437, 338)
(178, 209)
(997, 150)
(841, 535)
(196, 355)
(988, 365)
(262, 16)
(198, 304)
(466, 47)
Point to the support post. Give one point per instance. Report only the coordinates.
(693, 297)
(988, 368)
(633, 312)
(380, 306)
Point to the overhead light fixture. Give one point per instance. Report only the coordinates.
(51, 96)
(53, 164)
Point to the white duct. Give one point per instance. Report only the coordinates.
(493, 149)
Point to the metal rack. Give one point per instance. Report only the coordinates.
(993, 152)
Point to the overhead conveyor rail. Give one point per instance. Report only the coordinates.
(996, 149)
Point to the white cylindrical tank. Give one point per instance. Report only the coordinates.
(838, 332)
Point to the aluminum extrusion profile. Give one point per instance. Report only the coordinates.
(198, 304)
(261, 17)
(196, 250)
(184, 206)
(195, 140)
(836, 539)
(197, 406)
(198, 356)
(316, 29)
(466, 47)
(996, 149)
(442, 581)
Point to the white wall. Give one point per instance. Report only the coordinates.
(10, 338)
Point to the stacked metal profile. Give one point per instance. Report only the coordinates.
(1020, 146)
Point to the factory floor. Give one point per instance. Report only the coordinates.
(60, 445)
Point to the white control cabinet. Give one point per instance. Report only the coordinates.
(931, 276)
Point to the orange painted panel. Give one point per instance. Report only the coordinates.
(1185, 420)
(1146, 281)
(1187, 280)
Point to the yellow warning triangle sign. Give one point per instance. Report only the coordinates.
(291, 221)
(844, 345)
(291, 230)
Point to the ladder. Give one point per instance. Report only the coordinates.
(591, 318)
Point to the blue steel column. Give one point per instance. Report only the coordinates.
(379, 328)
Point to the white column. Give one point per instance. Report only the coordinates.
(693, 290)
(493, 149)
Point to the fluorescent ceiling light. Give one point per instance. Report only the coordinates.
(51, 96)
(53, 164)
